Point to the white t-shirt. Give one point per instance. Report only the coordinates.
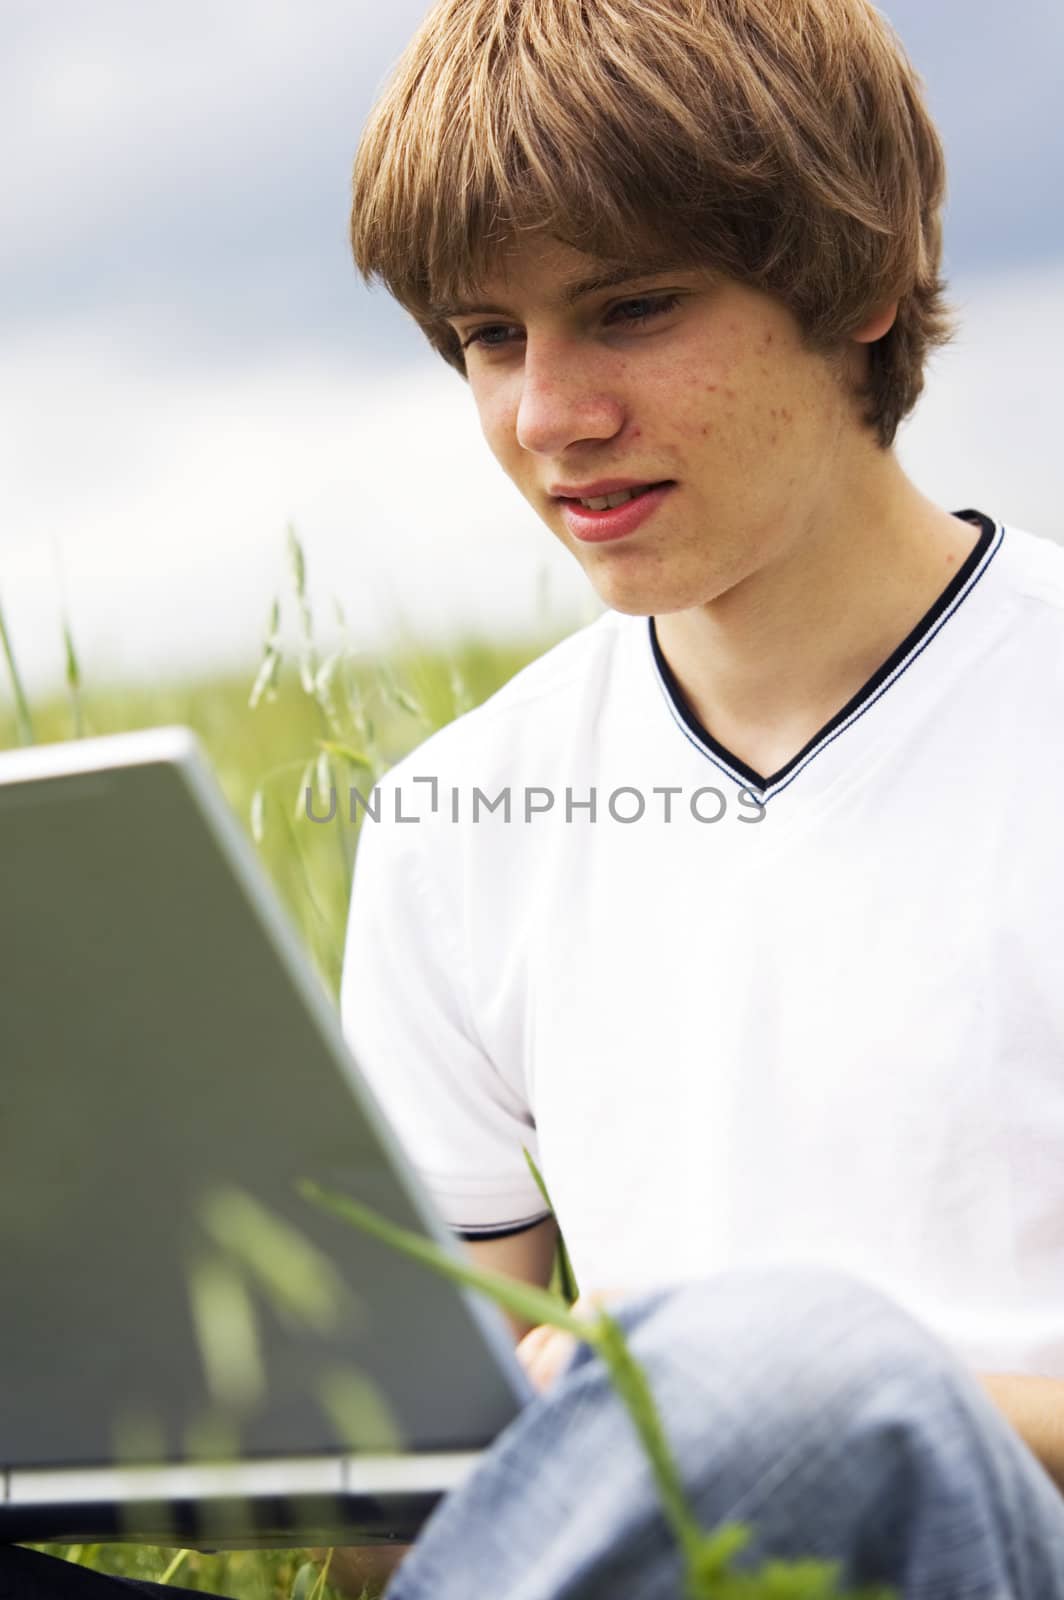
(826, 1027)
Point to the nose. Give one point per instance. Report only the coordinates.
(565, 396)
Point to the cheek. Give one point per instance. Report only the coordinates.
(498, 425)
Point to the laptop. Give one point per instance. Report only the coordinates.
(191, 1350)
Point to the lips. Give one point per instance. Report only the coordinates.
(614, 522)
(604, 486)
(616, 498)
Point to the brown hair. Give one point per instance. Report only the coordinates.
(784, 143)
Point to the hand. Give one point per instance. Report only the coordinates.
(546, 1350)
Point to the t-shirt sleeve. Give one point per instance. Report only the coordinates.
(405, 1014)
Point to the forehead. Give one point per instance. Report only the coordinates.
(553, 274)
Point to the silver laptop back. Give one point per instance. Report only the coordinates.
(170, 1067)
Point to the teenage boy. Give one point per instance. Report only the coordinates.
(761, 963)
(741, 909)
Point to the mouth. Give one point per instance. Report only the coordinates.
(614, 516)
(619, 497)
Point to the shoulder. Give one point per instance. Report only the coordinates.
(441, 816)
(539, 710)
(1033, 566)
(1024, 608)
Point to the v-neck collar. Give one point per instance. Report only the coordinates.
(952, 597)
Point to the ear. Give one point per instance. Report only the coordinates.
(879, 323)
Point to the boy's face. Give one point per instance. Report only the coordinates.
(714, 393)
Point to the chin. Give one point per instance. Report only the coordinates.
(649, 599)
(625, 600)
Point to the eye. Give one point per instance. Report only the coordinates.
(478, 336)
(652, 305)
(657, 305)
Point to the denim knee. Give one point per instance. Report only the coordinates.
(790, 1341)
(799, 1402)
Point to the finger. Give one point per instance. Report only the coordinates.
(527, 1348)
(550, 1358)
(590, 1303)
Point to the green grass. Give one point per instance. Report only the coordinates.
(239, 1574)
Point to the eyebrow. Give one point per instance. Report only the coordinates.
(612, 278)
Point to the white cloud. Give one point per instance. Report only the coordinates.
(169, 496)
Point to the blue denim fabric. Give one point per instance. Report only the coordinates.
(798, 1400)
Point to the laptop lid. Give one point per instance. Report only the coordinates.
(171, 1066)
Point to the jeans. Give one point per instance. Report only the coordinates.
(796, 1400)
(799, 1401)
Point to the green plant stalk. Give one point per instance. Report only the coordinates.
(631, 1384)
(539, 1306)
(265, 685)
(566, 1275)
(318, 691)
(23, 720)
(319, 1588)
(523, 1299)
(179, 1560)
(73, 679)
(308, 656)
(706, 1556)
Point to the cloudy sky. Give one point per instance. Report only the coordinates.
(190, 361)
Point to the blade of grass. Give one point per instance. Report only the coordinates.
(317, 680)
(319, 1588)
(265, 685)
(23, 720)
(539, 1306)
(706, 1555)
(305, 1579)
(175, 1565)
(73, 679)
(297, 566)
(566, 1275)
(347, 752)
(536, 1305)
(72, 670)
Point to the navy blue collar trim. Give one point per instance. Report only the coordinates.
(955, 592)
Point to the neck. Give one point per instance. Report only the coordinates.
(766, 663)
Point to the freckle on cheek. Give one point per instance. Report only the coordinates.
(711, 388)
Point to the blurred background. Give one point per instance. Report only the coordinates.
(190, 361)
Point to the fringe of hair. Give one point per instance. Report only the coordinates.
(784, 143)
